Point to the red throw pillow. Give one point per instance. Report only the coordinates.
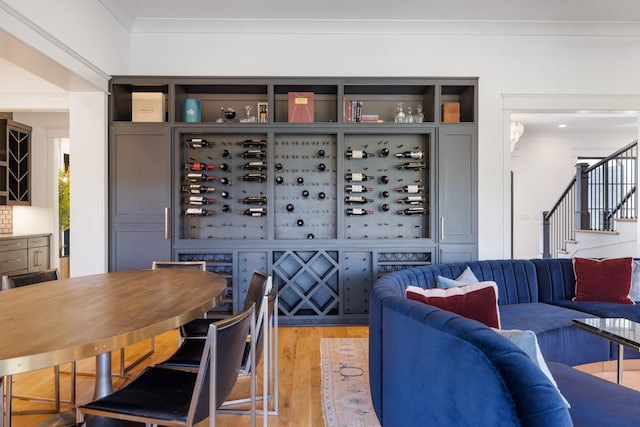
(608, 280)
(478, 301)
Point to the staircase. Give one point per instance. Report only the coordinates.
(596, 215)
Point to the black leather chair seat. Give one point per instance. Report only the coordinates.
(187, 355)
(156, 393)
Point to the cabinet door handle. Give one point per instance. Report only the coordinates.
(441, 228)
(167, 214)
(36, 258)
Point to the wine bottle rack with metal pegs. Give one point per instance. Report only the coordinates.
(305, 186)
(387, 190)
(239, 184)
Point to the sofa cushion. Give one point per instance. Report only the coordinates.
(467, 277)
(634, 293)
(559, 341)
(607, 280)
(478, 301)
(594, 401)
(527, 342)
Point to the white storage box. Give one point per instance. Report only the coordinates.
(147, 107)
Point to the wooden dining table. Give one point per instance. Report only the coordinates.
(57, 322)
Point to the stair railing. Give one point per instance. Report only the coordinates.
(596, 196)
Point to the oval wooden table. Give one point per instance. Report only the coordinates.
(52, 323)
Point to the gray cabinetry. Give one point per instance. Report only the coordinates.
(23, 254)
(140, 195)
(318, 181)
(457, 187)
(38, 253)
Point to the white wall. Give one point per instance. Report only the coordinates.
(543, 166)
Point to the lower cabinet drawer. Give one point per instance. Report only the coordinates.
(11, 261)
(38, 241)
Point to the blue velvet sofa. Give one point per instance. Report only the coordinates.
(432, 367)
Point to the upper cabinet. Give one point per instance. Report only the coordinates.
(15, 163)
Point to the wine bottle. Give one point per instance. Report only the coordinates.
(411, 189)
(355, 188)
(357, 177)
(225, 194)
(258, 177)
(254, 212)
(412, 200)
(198, 166)
(198, 212)
(199, 200)
(226, 154)
(254, 200)
(257, 166)
(358, 211)
(358, 154)
(225, 181)
(410, 155)
(197, 143)
(197, 188)
(384, 179)
(356, 200)
(413, 211)
(254, 154)
(196, 177)
(224, 167)
(257, 143)
(384, 152)
(413, 166)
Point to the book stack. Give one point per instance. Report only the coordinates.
(352, 113)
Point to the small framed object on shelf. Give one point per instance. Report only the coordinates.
(263, 112)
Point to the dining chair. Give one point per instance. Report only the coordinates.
(17, 281)
(261, 294)
(163, 395)
(267, 349)
(259, 280)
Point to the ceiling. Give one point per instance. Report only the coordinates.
(130, 12)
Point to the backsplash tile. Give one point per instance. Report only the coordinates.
(6, 219)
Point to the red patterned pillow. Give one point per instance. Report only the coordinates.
(608, 280)
(478, 301)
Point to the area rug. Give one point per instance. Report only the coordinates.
(346, 397)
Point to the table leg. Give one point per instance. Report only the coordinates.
(103, 376)
(620, 362)
(103, 387)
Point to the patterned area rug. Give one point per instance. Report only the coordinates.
(346, 398)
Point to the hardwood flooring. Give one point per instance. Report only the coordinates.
(300, 377)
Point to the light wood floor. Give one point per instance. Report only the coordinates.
(300, 377)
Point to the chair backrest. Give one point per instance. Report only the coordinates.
(257, 289)
(25, 279)
(263, 320)
(226, 340)
(195, 265)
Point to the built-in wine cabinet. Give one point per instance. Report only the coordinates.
(325, 183)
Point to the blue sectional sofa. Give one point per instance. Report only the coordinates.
(432, 367)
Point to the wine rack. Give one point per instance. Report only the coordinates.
(15, 160)
(387, 176)
(326, 207)
(305, 186)
(238, 181)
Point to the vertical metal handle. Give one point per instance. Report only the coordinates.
(441, 228)
(167, 214)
